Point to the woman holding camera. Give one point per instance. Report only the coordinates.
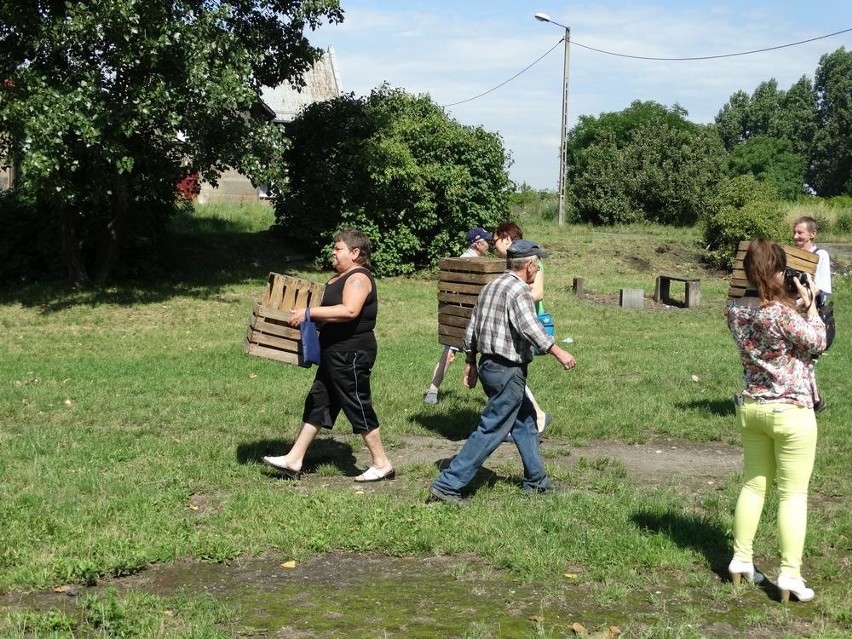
(777, 336)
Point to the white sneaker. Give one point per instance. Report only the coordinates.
(796, 586)
(739, 569)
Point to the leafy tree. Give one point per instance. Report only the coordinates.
(647, 162)
(831, 169)
(797, 120)
(732, 121)
(770, 160)
(396, 166)
(764, 108)
(770, 134)
(107, 105)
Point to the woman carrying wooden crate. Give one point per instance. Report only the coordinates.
(342, 383)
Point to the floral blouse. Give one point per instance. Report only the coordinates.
(776, 345)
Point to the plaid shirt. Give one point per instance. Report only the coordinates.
(504, 322)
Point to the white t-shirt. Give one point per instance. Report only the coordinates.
(469, 253)
(822, 277)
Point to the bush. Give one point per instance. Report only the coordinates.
(29, 245)
(526, 201)
(748, 210)
(843, 224)
(397, 167)
(645, 163)
(842, 202)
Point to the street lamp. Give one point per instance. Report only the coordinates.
(563, 143)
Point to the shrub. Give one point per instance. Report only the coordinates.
(29, 244)
(842, 202)
(645, 163)
(397, 167)
(526, 201)
(748, 210)
(843, 223)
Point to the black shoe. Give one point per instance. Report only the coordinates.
(820, 405)
(436, 495)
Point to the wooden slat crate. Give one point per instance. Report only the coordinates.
(797, 258)
(269, 335)
(460, 279)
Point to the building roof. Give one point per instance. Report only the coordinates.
(322, 82)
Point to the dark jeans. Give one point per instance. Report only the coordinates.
(508, 410)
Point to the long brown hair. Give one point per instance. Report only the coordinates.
(356, 239)
(763, 260)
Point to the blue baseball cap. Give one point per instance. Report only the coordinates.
(524, 248)
(477, 233)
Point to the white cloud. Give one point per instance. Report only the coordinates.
(455, 51)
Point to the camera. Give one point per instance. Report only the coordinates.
(790, 275)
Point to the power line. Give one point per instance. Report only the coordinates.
(641, 57)
(711, 57)
(524, 70)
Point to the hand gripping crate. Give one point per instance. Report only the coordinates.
(269, 335)
(797, 259)
(460, 279)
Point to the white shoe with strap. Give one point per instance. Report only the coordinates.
(739, 569)
(795, 586)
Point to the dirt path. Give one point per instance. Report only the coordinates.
(687, 466)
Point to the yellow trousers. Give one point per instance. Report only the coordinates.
(779, 444)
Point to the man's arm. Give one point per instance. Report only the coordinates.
(563, 357)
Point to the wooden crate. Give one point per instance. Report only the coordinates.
(269, 335)
(460, 279)
(797, 258)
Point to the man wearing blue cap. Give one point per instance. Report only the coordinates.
(503, 330)
(478, 243)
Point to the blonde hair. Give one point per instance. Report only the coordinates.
(809, 222)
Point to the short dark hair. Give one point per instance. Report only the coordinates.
(356, 239)
(508, 229)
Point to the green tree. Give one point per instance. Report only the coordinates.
(831, 168)
(797, 120)
(647, 162)
(764, 108)
(770, 134)
(397, 167)
(771, 160)
(732, 121)
(106, 105)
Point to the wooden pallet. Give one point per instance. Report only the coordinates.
(797, 259)
(460, 279)
(269, 334)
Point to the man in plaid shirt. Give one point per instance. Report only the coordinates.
(503, 330)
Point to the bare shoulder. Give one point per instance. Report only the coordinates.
(359, 281)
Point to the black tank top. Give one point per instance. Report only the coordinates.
(356, 334)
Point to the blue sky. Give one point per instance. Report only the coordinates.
(456, 49)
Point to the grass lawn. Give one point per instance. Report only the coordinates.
(131, 425)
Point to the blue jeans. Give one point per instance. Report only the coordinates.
(508, 410)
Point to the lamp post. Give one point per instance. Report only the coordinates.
(563, 142)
